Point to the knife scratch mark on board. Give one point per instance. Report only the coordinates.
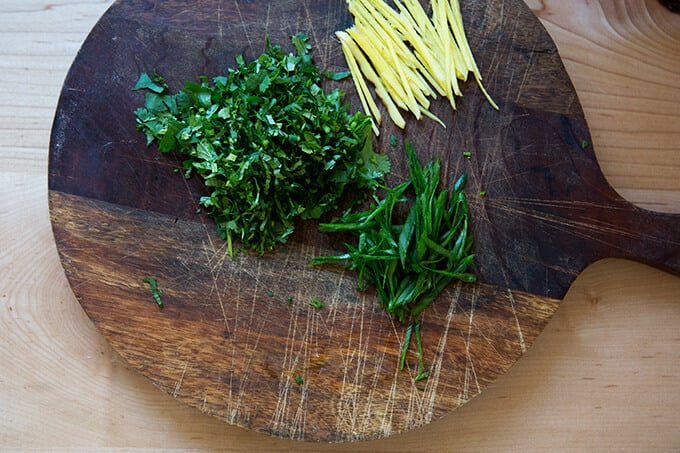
(299, 420)
(391, 403)
(347, 403)
(527, 70)
(513, 31)
(307, 20)
(178, 385)
(243, 23)
(432, 383)
(289, 365)
(362, 420)
(301, 366)
(356, 383)
(245, 369)
(239, 288)
(220, 28)
(565, 204)
(603, 231)
(256, 288)
(335, 308)
(354, 404)
(470, 373)
(522, 344)
(211, 251)
(412, 409)
(368, 413)
(266, 22)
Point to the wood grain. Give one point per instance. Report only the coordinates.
(580, 386)
(236, 356)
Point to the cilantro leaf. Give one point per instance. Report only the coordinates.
(146, 82)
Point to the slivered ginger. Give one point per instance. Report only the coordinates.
(408, 56)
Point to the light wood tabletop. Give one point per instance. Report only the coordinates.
(604, 374)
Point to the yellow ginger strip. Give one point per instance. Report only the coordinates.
(408, 56)
(385, 72)
(459, 33)
(370, 74)
(445, 38)
(367, 102)
(456, 20)
(381, 38)
(433, 117)
(422, 49)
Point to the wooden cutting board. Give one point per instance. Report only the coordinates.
(236, 333)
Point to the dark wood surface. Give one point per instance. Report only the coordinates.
(228, 342)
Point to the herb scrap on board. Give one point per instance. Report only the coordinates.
(155, 290)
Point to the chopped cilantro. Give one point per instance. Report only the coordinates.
(270, 145)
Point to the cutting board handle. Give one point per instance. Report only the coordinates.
(648, 236)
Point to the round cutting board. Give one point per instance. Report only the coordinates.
(237, 338)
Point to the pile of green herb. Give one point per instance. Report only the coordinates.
(409, 261)
(268, 142)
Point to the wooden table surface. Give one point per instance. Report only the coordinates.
(605, 373)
